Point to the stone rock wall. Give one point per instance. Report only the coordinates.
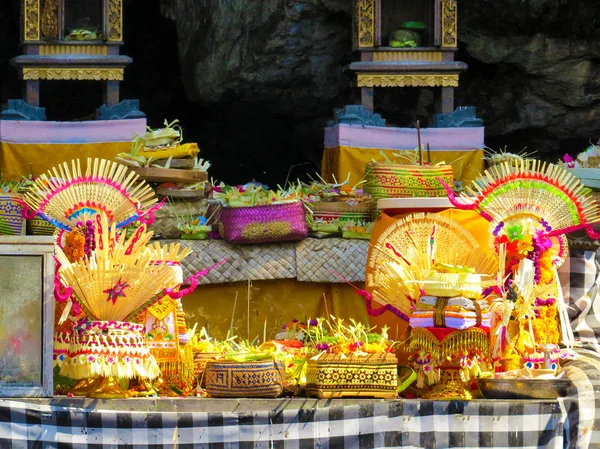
(534, 71)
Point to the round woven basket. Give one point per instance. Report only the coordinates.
(405, 181)
(228, 379)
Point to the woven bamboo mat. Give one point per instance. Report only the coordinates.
(246, 262)
(316, 259)
(311, 260)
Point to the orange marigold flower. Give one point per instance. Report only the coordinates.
(74, 246)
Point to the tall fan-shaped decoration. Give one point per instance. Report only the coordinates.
(112, 279)
(69, 198)
(531, 205)
(432, 270)
(67, 195)
(426, 254)
(119, 280)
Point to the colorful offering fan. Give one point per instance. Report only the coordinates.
(120, 276)
(427, 254)
(555, 199)
(530, 205)
(67, 195)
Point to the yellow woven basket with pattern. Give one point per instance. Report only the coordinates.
(374, 375)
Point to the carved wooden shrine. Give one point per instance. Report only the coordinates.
(427, 61)
(71, 40)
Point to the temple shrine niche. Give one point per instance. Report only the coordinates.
(406, 43)
(75, 40)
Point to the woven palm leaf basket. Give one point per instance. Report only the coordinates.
(385, 180)
(11, 219)
(264, 224)
(39, 226)
(328, 211)
(229, 379)
(201, 359)
(167, 217)
(374, 375)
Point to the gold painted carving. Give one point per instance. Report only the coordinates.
(62, 49)
(50, 19)
(435, 80)
(407, 56)
(31, 20)
(115, 20)
(449, 24)
(91, 74)
(365, 22)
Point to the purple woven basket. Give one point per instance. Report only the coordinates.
(263, 224)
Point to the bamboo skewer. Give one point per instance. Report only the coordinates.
(326, 308)
(230, 332)
(419, 142)
(248, 315)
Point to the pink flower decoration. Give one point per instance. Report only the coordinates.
(542, 240)
(569, 161)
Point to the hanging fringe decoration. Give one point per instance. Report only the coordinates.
(464, 349)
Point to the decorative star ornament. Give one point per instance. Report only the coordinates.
(118, 291)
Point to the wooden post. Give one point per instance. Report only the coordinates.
(367, 97)
(445, 101)
(32, 92)
(111, 93)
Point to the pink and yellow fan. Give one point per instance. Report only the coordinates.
(121, 276)
(547, 194)
(426, 254)
(67, 195)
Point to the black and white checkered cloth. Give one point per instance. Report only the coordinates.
(580, 278)
(571, 422)
(388, 424)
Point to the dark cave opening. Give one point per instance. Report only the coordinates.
(267, 131)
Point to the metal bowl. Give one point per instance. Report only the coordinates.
(523, 388)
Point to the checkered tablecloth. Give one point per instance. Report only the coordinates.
(567, 422)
